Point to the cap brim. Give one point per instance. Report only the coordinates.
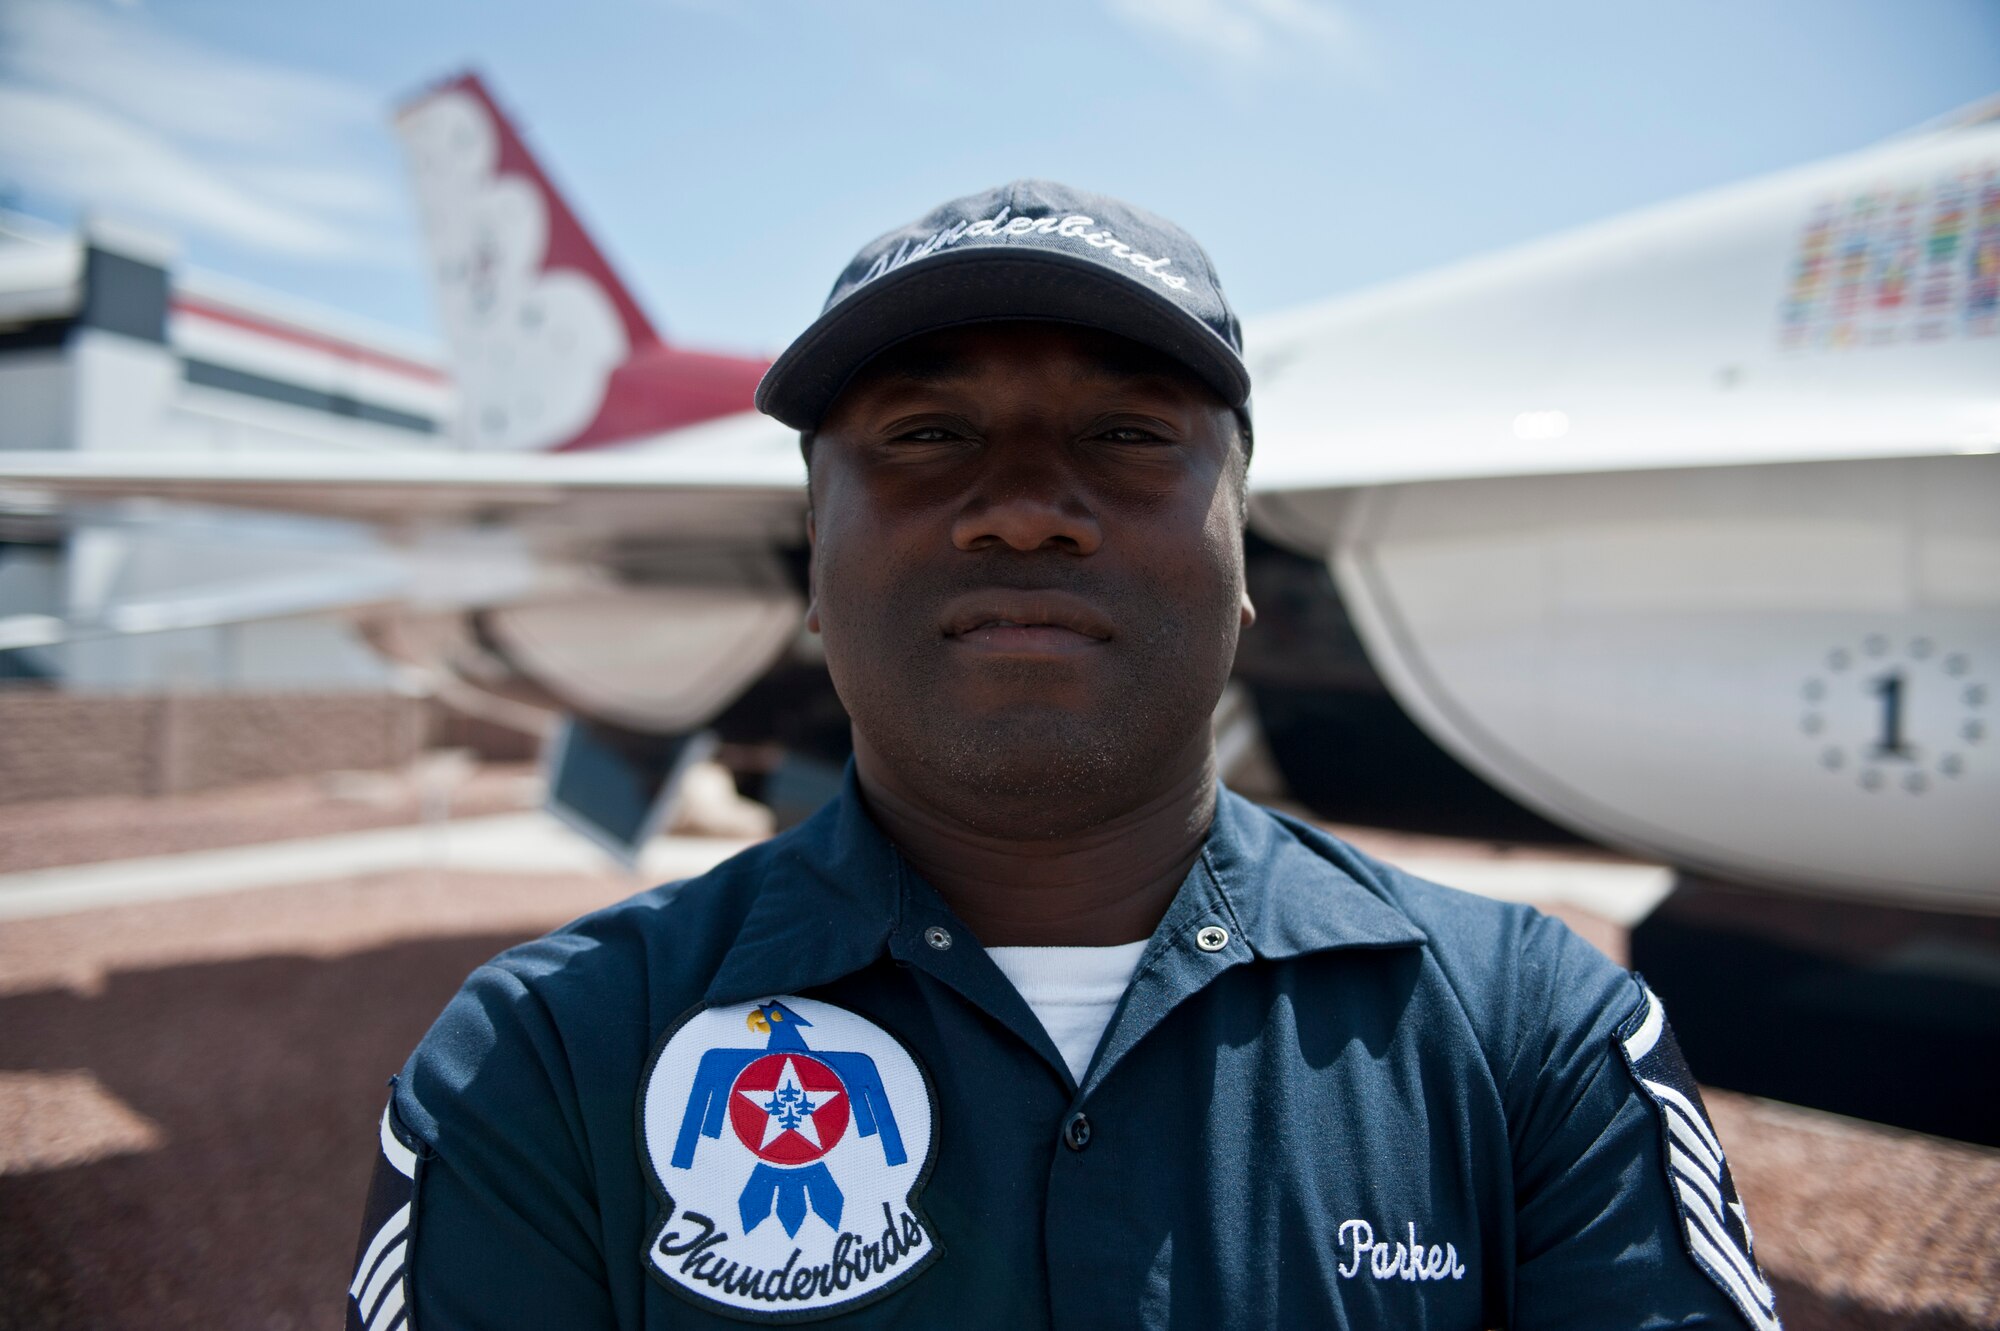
(983, 286)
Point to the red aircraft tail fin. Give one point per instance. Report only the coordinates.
(550, 350)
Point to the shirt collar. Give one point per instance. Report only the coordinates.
(1289, 887)
(832, 894)
(829, 898)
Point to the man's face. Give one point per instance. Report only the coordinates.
(1028, 568)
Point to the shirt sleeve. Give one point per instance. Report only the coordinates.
(501, 1228)
(1613, 1209)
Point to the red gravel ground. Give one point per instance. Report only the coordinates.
(41, 834)
(188, 1094)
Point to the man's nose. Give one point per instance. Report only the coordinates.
(1028, 505)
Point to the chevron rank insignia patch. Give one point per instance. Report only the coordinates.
(788, 1141)
(377, 1297)
(1713, 1226)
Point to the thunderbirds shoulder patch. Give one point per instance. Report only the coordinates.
(788, 1141)
(1713, 1226)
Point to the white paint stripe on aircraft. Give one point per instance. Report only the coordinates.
(506, 843)
(393, 1150)
(391, 1227)
(1648, 1034)
(1621, 893)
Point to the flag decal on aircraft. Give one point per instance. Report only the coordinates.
(1917, 263)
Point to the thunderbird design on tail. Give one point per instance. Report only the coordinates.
(812, 1144)
(550, 349)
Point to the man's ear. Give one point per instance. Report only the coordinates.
(812, 573)
(1248, 615)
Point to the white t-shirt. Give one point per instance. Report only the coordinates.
(1073, 991)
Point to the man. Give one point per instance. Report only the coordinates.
(1035, 1025)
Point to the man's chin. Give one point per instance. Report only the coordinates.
(1048, 767)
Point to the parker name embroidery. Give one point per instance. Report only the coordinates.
(1400, 1261)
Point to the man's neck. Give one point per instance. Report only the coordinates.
(1105, 885)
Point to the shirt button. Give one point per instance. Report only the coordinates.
(1076, 1132)
(938, 937)
(1212, 939)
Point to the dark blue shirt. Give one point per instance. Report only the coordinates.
(1334, 1095)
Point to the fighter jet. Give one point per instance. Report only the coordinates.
(1678, 531)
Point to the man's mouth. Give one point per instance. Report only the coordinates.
(1025, 623)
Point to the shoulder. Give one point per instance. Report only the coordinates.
(590, 992)
(1532, 991)
(1489, 947)
(677, 933)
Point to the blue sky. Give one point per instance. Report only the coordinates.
(731, 154)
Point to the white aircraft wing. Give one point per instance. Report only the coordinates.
(1842, 310)
(1749, 325)
(737, 481)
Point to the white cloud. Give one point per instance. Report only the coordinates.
(78, 152)
(102, 109)
(1242, 34)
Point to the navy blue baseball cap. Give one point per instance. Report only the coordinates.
(1030, 250)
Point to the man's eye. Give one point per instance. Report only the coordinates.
(1129, 434)
(926, 434)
